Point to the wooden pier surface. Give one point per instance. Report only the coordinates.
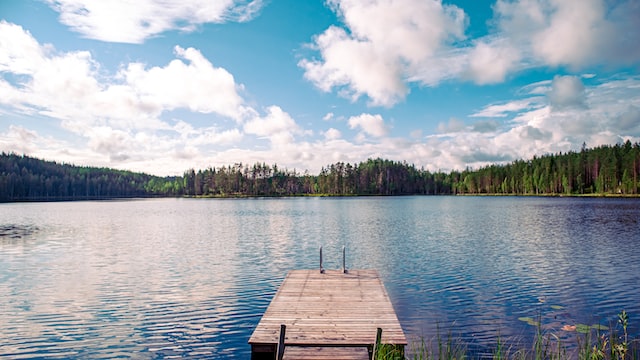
(331, 309)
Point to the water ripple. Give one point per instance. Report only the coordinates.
(191, 278)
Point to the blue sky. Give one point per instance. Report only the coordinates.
(164, 86)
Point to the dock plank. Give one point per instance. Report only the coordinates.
(332, 309)
(325, 353)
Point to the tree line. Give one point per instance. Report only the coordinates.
(23, 178)
(601, 170)
(371, 177)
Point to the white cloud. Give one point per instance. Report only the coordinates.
(485, 126)
(572, 33)
(19, 140)
(454, 125)
(213, 136)
(355, 67)
(385, 46)
(205, 136)
(534, 129)
(139, 117)
(141, 19)
(370, 124)
(629, 121)
(506, 109)
(332, 134)
(387, 42)
(196, 85)
(116, 119)
(277, 125)
(69, 86)
(537, 88)
(567, 92)
(328, 116)
(491, 62)
(416, 134)
(20, 51)
(115, 143)
(577, 33)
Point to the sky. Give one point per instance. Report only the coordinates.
(163, 86)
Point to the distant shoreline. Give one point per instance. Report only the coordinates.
(605, 171)
(243, 196)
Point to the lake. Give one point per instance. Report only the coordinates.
(161, 278)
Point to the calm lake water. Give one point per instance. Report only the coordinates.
(191, 277)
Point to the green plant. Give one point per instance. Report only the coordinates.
(388, 352)
(448, 348)
(619, 350)
(594, 342)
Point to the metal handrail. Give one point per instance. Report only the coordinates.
(344, 261)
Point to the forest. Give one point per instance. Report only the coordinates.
(24, 178)
(600, 171)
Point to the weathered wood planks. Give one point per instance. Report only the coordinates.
(328, 310)
(325, 353)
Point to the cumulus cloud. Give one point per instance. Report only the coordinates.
(629, 121)
(567, 92)
(485, 126)
(126, 116)
(110, 141)
(332, 134)
(370, 124)
(356, 68)
(491, 62)
(141, 19)
(593, 114)
(382, 49)
(19, 139)
(21, 52)
(386, 42)
(454, 125)
(277, 125)
(576, 33)
(195, 84)
(69, 86)
(533, 133)
(385, 46)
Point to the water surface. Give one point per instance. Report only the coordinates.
(191, 277)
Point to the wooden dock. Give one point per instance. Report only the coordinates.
(329, 315)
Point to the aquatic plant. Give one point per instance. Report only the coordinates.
(388, 352)
(595, 342)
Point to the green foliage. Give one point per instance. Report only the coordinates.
(600, 171)
(23, 178)
(603, 170)
(448, 348)
(372, 177)
(594, 343)
(389, 352)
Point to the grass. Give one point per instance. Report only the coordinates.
(593, 343)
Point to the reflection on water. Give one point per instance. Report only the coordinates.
(191, 278)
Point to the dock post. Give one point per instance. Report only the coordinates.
(376, 345)
(321, 268)
(344, 266)
(280, 350)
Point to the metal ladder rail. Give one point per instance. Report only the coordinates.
(344, 261)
